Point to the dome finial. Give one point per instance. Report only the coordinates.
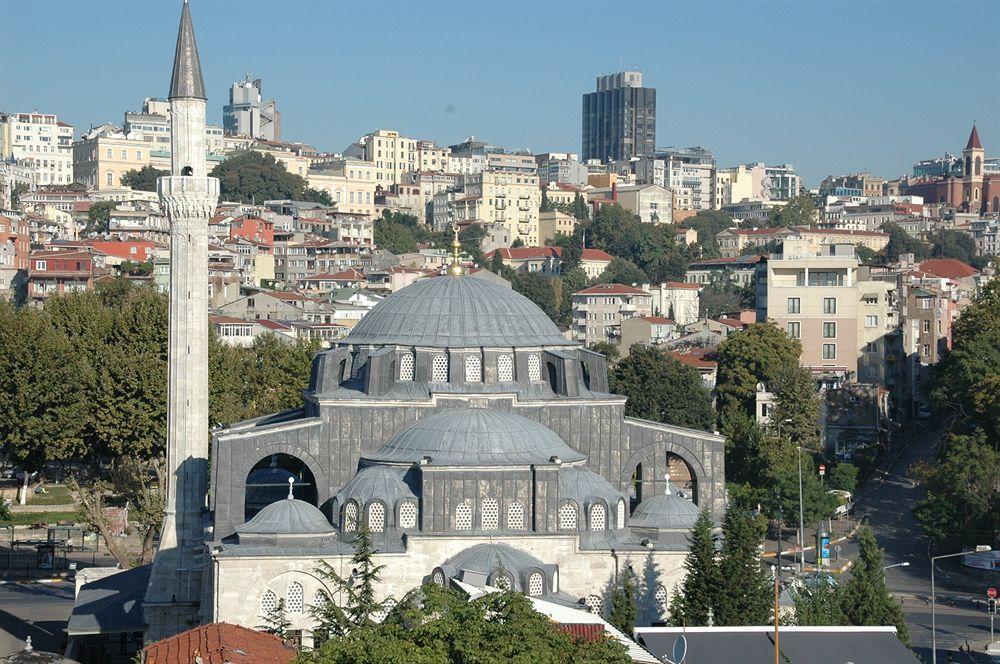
(456, 269)
(291, 483)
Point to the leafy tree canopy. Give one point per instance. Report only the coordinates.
(99, 218)
(254, 177)
(799, 211)
(723, 295)
(709, 223)
(143, 179)
(901, 242)
(622, 271)
(948, 243)
(662, 389)
(865, 599)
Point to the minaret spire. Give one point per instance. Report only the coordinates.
(186, 80)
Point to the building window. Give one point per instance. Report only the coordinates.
(567, 516)
(490, 514)
(871, 321)
(408, 514)
(661, 598)
(439, 369)
(109, 178)
(620, 515)
(473, 369)
(534, 367)
(350, 516)
(463, 516)
(41, 266)
(927, 350)
(829, 305)
(296, 601)
(406, 363)
(927, 327)
(515, 516)
(268, 603)
(829, 351)
(594, 604)
(505, 368)
(536, 584)
(598, 517)
(438, 577)
(794, 305)
(829, 330)
(794, 329)
(320, 599)
(376, 517)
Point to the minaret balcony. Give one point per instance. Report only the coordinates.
(186, 186)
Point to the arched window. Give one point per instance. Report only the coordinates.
(594, 604)
(534, 367)
(661, 598)
(408, 514)
(502, 581)
(320, 599)
(515, 516)
(996, 204)
(968, 165)
(350, 516)
(553, 374)
(463, 516)
(342, 371)
(268, 602)
(438, 577)
(439, 369)
(975, 194)
(376, 517)
(598, 517)
(295, 603)
(473, 369)
(620, 515)
(267, 482)
(406, 367)
(979, 166)
(490, 514)
(536, 584)
(505, 368)
(567, 516)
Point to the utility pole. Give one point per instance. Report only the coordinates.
(777, 584)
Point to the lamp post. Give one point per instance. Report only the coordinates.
(980, 548)
(895, 565)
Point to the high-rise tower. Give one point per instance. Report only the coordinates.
(173, 599)
(619, 119)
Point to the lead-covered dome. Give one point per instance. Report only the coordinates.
(457, 312)
(476, 437)
(287, 517)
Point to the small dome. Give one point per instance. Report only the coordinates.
(476, 437)
(669, 512)
(488, 559)
(375, 482)
(457, 312)
(287, 517)
(585, 486)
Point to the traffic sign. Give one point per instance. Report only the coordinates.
(822, 469)
(991, 592)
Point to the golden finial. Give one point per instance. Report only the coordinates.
(456, 269)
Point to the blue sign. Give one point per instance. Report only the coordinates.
(824, 547)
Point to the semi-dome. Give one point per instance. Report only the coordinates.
(457, 312)
(585, 487)
(375, 482)
(668, 511)
(476, 437)
(287, 517)
(485, 563)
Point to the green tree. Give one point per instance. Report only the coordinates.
(496, 262)
(709, 223)
(518, 242)
(546, 205)
(577, 209)
(623, 607)
(394, 238)
(661, 388)
(797, 406)
(540, 289)
(798, 211)
(866, 600)
(867, 256)
(320, 196)
(254, 177)
(819, 603)
(621, 271)
(15, 194)
(143, 179)
(901, 242)
(746, 595)
(722, 295)
(843, 476)
(702, 585)
(358, 591)
(276, 620)
(948, 243)
(608, 350)
(98, 218)
(573, 280)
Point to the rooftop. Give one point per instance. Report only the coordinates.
(220, 643)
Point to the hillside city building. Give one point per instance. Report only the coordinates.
(619, 118)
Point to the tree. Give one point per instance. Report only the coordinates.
(797, 399)
(623, 607)
(98, 218)
(573, 280)
(358, 591)
(15, 194)
(723, 295)
(661, 388)
(496, 262)
(394, 238)
(276, 620)
(843, 476)
(546, 205)
(253, 177)
(702, 585)
(819, 603)
(538, 288)
(867, 256)
(436, 625)
(799, 211)
(866, 600)
(577, 209)
(143, 179)
(948, 243)
(608, 350)
(518, 242)
(320, 196)
(901, 242)
(709, 223)
(746, 595)
(621, 271)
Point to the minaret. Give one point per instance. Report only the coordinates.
(189, 197)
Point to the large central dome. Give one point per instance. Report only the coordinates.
(457, 312)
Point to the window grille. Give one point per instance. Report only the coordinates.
(661, 598)
(376, 517)
(320, 599)
(567, 517)
(594, 604)
(505, 368)
(268, 602)
(463, 516)
(408, 514)
(598, 517)
(620, 523)
(534, 367)
(515, 516)
(473, 369)
(295, 602)
(439, 369)
(350, 517)
(536, 584)
(502, 581)
(406, 367)
(490, 515)
(438, 577)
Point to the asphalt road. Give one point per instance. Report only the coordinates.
(35, 609)
(887, 502)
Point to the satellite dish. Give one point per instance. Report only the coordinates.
(680, 649)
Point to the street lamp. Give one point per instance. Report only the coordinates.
(980, 548)
(895, 565)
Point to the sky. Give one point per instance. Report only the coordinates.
(831, 87)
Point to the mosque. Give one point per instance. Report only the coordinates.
(455, 422)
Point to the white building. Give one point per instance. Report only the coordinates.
(41, 142)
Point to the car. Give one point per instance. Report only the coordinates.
(924, 412)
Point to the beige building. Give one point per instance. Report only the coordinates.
(104, 155)
(594, 262)
(735, 242)
(553, 223)
(560, 193)
(651, 202)
(432, 158)
(740, 183)
(814, 298)
(511, 199)
(675, 300)
(350, 183)
(391, 154)
(877, 323)
(645, 331)
(40, 142)
(598, 311)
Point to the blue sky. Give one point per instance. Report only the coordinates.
(829, 87)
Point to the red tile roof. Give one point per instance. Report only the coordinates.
(220, 643)
(524, 253)
(974, 139)
(731, 322)
(222, 320)
(611, 289)
(271, 324)
(699, 358)
(596, 255)
(583, 631)
(658, 320)
(948, 268)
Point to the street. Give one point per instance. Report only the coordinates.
(36, 609)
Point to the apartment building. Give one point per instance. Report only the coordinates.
(392, 154)
(564, 167)
(103, 155)
(619, 118)
(59, 272)
(504, 197)
(878, 330)
(599, 311)
(675, 300)
(15, 247)
(432, 158)
(814, 298)
(350, 182)
(554, 223)
(743, 183)
(735, 242)
(652, 203)
(152, 125)
(740, 270)
(40, 142)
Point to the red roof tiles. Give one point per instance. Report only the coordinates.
(974, 139)
(611, 289)
(220, 643)
(596, 255)
(948, 268)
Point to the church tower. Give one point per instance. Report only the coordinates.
(188, 196)
(973, 157)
